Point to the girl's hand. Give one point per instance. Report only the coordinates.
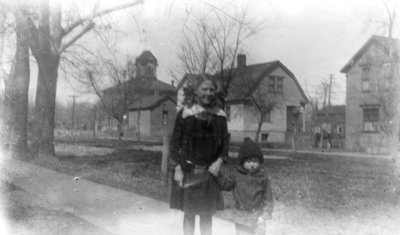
(215, 166)
(178, 175)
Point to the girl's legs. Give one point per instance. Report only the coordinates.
(206, 224)
(188, 224)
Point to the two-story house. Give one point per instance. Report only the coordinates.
(275, 81)
(369, 81)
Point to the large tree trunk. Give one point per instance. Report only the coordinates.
(16, 97)
(45, 103)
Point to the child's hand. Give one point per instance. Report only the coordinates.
(178, 175)
(266, 216)
(215, 166)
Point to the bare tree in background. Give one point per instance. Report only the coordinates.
(211, 43)
(264, 103)
(48, 40)
(259, 100)
(124, 90)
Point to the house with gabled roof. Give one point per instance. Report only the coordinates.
(273, 78)
(280, 85)
(369, 84)
(151, 109)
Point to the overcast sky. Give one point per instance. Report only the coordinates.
(313, 38)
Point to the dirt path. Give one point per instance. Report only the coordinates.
(27, 214)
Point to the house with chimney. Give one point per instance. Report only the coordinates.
(369, 90)
(277, 82)
(151, 109)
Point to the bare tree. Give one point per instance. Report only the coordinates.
(48, 40)
(17, 83)
(211, 43)
(124, 91)
(264, 103)
(320, 118)
(258, 99)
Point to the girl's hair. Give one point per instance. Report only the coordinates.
(203, 78)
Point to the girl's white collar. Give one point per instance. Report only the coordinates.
(198, 109)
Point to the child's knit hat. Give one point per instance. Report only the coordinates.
(249, 149)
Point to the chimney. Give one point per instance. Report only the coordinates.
(241, 61)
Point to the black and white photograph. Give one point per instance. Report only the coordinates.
(200, 117)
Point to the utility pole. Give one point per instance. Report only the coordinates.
(73, 113)
(330, 89)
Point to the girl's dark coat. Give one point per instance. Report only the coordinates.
(198, 142)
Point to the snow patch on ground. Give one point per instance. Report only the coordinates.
(81, 150)
(235, 154)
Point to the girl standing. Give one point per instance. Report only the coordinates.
(199, 144)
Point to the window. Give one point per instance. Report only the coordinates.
(339, 128)
(228, 112)
(388, 75)
(388, 82)
(264, 137)
(149, 71)
(267, 116)
(271, 84)
(365, 78)
(275, 84)
(164, 116)
(370, 118)
(279, 85)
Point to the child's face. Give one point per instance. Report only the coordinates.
(251, 164)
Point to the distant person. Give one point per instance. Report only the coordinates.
(317, 136)
(251, 191)
(199, 144)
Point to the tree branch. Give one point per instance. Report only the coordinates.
(81, 21)
(86, 29)
(33, 37)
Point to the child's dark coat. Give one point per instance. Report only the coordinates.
(251, 190)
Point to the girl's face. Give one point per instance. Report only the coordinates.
(251, 164)
(206, 93)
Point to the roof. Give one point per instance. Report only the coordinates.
(143, 84)
(333, 110)
(256, 73)
(149, 102)
(189, 76)
(252, 73)
(184, 78)
(373, 40)
(146, 57)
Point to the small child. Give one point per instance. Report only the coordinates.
(251, 191)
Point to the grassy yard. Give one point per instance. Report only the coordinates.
(334, 187)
